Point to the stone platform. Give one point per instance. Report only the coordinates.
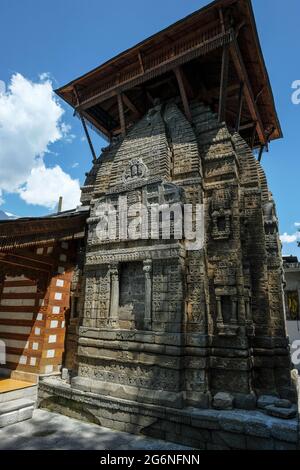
(51, 431)
(201, 429)
(17, 401)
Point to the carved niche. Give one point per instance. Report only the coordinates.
(221, 215)
(226, 299)
(270, 216)
(136, 170)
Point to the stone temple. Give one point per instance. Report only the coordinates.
(160, 336)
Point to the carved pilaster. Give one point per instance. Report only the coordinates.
(147, 267)
(114, 295)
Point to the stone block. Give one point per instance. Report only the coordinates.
(9, 418)
(223, 401)
(258, 426)
(259, 443)
(231, 421)
(25, 413)
(231, 440)
(245, 401)
(284, 413)
(280, 445)
(266, 400)
(285, 430)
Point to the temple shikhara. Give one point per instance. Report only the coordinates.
(146, 335)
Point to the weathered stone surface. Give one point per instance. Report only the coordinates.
(282, 403)
(201, 428)
(285, 413)
(259, 443)
(165, 328)
(245, 402)
(266, 400)
(223, 401)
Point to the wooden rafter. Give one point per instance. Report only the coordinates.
(95, 123)
(249, 97)
(224, 83)
(121, 114)
(141, 61)
(165, 62)
(85, 127)
(130, 105)
(187, 111)
(240, 107)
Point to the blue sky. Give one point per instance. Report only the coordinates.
(66, 38)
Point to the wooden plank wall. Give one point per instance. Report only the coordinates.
(32, 324)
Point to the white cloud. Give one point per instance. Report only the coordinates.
(66, 132)
(2, 87)
(45, 76)
(297, 224)
(286, 238)
(75, 165)
(57, 182)
(30, 121)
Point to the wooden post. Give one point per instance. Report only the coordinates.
(223, 84)
(88, 138)
(253, 135)
(178, 73)
(121, 114)
(260, 152)
(85, 128)
(239, 115)
(248, 93)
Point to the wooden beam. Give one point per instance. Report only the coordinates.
(248, 93)
(150, 97)
(85, 127)
(88, 138)
(249, 125)
(98, 126)
(167, 64)
(121, 114)
(130, 105)
(224, 83)
(240, 108)
(183, 94)
(141, 62)
(221, 16)
(253, 135)
(260, 152)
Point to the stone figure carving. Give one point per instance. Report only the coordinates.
(136, 170)
(270, 217)
(221, 215)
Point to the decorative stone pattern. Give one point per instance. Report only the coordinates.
(173, 328)
(208, 429)
(227, 295)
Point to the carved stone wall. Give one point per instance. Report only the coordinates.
(166, 325)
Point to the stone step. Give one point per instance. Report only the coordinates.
(15, 405)
(16, 411)
(30, 393)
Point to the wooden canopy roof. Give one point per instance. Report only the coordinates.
(31, 231)
(185, 59)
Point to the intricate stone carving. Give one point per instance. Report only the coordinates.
(221, 215)
(196, 322)
(135, 171)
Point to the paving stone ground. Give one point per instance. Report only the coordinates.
(49, 431)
